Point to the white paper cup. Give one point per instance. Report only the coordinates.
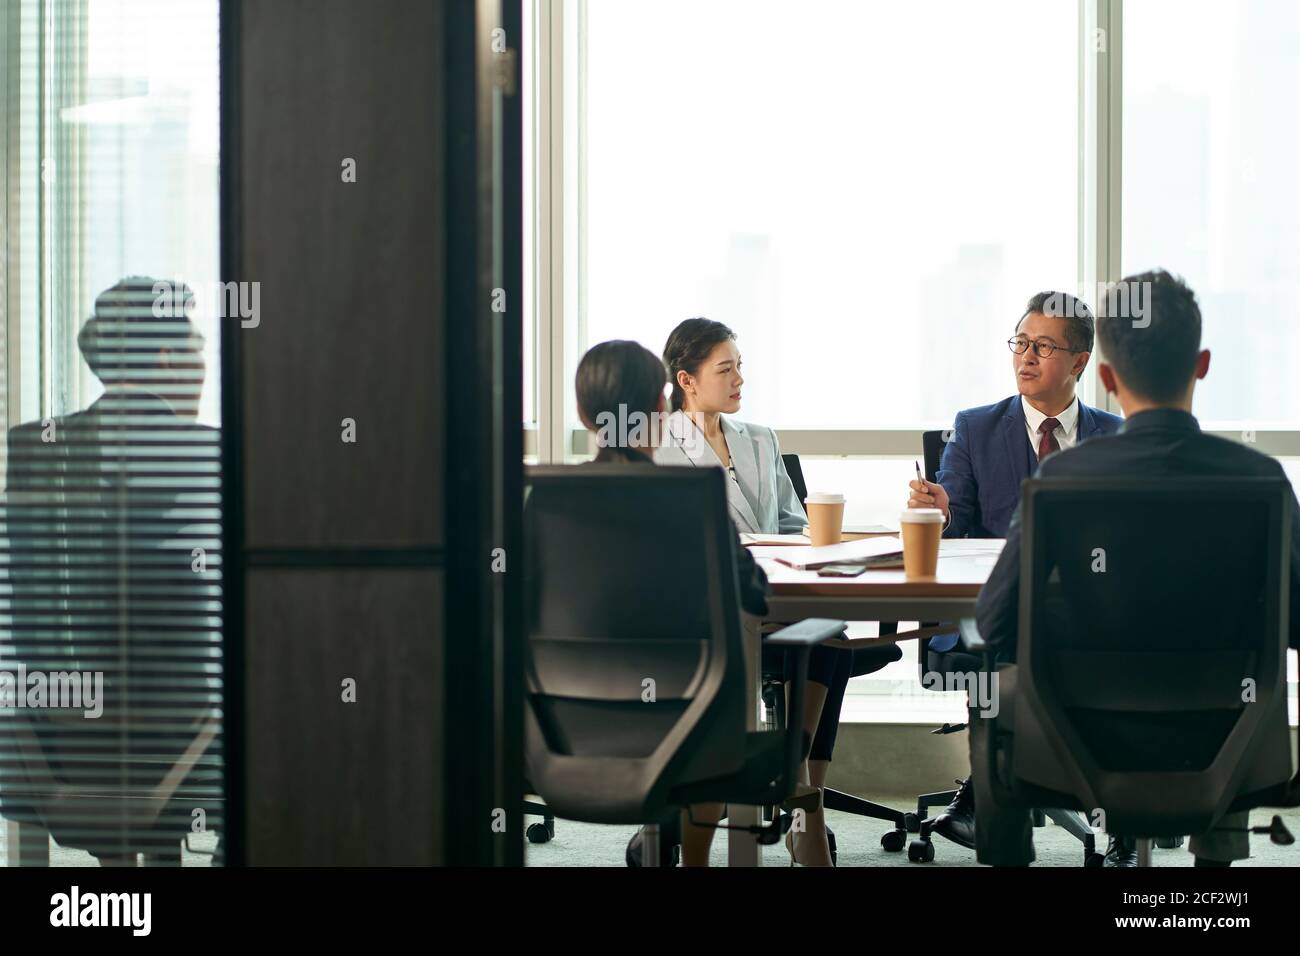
(921, 530)
(825, 518)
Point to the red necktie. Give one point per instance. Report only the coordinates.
(1047, 444)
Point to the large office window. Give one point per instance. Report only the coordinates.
(1210, 189)
(867, 201)
(111, 663)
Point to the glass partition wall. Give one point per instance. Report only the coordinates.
(111, 672)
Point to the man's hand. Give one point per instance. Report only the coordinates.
(928, 494)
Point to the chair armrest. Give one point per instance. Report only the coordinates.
(971, 641)
(919, 634)
(807, 632)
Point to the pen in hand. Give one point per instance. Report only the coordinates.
(935, 502)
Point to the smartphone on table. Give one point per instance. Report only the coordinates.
(841, 570)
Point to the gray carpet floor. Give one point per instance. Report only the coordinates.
(858, 841)
(202, 844)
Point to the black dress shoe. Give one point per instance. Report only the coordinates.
(957, 822)
(1121, 851)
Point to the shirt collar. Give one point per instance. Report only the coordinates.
(1068, 418)
(1161, 418)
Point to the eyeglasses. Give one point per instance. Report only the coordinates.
(1043, 348)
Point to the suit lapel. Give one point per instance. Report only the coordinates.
(745, 460)
(1088, 425)
(683, 433)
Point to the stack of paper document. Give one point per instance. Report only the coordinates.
(867, 551)
(853, 532)
(750, 540)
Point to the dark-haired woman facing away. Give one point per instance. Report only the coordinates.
(616, 380)
(626, 374)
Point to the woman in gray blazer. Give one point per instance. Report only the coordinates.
(704, 368)
(703, 365)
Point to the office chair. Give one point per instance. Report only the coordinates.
(544, 831)
(99, 527)
(932, 445)
(795, 470)
(1146, 607)
(58, 788)
(634, 663)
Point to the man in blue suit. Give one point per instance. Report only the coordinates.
(994, 448)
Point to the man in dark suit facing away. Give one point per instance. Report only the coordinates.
(994, 448)
(113, 529)
(1152, 366)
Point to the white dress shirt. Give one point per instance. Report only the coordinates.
(1067, 429)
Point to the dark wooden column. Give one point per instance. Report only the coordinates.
(368, 559)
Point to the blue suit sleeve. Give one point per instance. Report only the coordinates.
(957, 476)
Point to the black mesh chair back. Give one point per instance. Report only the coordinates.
(932, 444)
(634, 666)
(1151, 678)
(795, 471)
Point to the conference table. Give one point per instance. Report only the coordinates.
(884, 595)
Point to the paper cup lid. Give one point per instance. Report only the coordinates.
(922, 516)
(823, 498)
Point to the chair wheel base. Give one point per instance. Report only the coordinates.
(920, 851)
(893, 841)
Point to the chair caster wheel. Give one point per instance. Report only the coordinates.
(1094, 859)
(539, 833)
(1168, 843)
(920, 851)
(911, 823)
(893, 841)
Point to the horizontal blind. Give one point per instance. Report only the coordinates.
(111, 658)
